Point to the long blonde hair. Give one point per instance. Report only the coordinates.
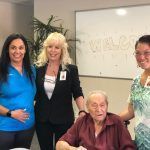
(65, 57)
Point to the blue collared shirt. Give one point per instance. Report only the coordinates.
(17, 93)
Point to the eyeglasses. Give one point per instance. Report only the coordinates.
(137, 54)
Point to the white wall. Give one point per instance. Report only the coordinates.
(117, 89)
(15, 18)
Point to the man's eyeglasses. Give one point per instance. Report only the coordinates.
(146, 53)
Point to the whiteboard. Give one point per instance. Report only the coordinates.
(106, 41)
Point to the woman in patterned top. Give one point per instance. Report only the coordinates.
(139, 101)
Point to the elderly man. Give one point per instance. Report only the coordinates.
(97, 130)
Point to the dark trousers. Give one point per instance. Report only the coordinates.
(48, 134)
(16, 139)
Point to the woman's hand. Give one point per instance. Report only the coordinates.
(81, 114)
(20, 114)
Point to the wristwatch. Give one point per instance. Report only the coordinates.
(8, 114)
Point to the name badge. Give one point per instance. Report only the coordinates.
(147, 83)
(63, 75)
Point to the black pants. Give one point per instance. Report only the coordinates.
(16, 139)
(48, 134)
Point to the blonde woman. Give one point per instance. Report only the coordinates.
(57, 81)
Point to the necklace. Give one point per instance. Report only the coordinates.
(50, 79)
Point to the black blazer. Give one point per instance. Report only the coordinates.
(58, 109)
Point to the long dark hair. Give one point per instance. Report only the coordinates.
(5, 59)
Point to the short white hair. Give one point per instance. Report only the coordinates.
(97, 92)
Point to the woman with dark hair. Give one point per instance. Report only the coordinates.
(17, 91)
(139, 99)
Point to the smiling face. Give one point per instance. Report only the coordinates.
(16, 51)
(142, 54)
(54, 51)
(97, 106)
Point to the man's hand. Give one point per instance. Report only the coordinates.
(81, 148)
